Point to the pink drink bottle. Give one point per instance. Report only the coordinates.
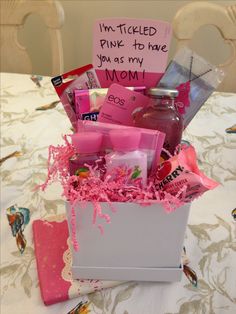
(162, 115)
(127, 161)
(87, 145)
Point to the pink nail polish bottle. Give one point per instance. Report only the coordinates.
(88, 146)
(126, 159)
(162, 115)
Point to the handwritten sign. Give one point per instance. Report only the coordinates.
(131, 52)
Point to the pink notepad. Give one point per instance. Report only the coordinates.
(53, 258)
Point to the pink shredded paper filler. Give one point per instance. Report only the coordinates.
(94, 189)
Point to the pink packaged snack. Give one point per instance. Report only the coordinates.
(151, 141)
(65, 84)
(181, 172)
(91, 101)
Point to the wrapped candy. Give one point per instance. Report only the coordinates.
(181, 172)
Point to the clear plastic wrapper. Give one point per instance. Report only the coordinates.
(195, 78)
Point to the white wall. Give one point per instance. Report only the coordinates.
(77, 30)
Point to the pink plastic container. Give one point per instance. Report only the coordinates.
(127, 157)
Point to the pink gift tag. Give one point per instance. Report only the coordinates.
(182, 100)
(131, 52)
(121, 105)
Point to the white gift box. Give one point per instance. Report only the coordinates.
(140, 243)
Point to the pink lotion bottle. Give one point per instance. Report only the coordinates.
(162, 115)
(126, 159)
(88, 146)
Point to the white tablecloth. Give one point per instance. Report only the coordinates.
(210, 237)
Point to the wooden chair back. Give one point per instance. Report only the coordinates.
(196, 14)
(14, 57)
